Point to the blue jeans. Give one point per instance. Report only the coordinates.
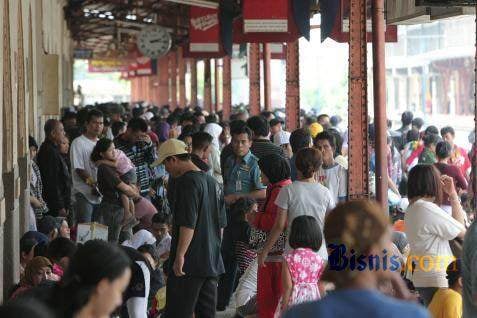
(85, 211)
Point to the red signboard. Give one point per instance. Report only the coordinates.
(141, 66)
(340, 31)
(266, 21)
(204, 30)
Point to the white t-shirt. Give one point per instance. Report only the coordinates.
(429, 229)
(335, 178)
(80, 157)
(164, 246)
(305, 198)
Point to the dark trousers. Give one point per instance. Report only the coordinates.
(188, 295)
(228, 280)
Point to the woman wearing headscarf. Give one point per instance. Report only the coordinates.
(36, 271)
(214, 158)
(275, 174)
(140, 238)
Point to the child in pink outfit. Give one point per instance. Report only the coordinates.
(302, 266)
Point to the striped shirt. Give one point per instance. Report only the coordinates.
(141, 155)
(264, 147)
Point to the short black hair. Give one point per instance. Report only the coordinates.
(443, 150)
(116, 127)
(424, 181)
(275, 121)
(299, 139)
(406, 118)
(338, 141)
(412, 135)
(418, 123)
(266, 114)
(26, 244)
(275, 167)
(447, 130)
(47, 224)
(151, 250)
(242, 129)
(326, 135)
(454, 272)
(431, 130)
(187, 131)
(137, 124)
(240, 207)
(188, 117)
(305, 233)
(201, 140)
(61, 247)
(161, 218)
(94, 113)
(431, 139)
(172, 120)
(50, 125)
(101, 146)
(32, 142)
(259, 125)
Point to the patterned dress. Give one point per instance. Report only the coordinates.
(305, 268)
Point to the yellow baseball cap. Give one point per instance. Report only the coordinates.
(315, 129)
(171, 147)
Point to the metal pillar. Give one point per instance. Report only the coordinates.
(380, 119)
(358, 185)
(207, 87)
(182, 71)
(226, 87)
(218, 106)
(267, 76)
(163, 89)
(173, 78)
(254, 77)
(474, 150)
(292, 109)
(193, 82)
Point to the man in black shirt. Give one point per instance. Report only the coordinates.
(262, 146)
(54, 177)
(198, 219)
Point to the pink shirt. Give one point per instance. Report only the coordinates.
(124, 164)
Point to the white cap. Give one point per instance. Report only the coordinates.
(281, 138)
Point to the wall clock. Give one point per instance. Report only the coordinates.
(154, 41)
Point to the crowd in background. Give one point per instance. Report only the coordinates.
(206, 215)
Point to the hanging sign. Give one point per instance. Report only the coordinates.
(107, 65)
(204, 30)
(142, 66)
(265, 16)
(266, 21)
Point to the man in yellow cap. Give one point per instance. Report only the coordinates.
(198, 219)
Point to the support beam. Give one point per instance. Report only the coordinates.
(226, 88)
(163, 89)
(218, 66)
(207, 86)
(358, 187)
(182, 72)
(474, 150)
(193, 82)
(173, 79)
(379, 89)
(254, 77)
(267, 76)
(292, 108)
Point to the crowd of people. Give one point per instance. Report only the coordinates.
(206, 215)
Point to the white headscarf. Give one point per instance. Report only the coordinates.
(214, 130)
(140, 238)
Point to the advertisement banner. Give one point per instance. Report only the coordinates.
(265, 16)
(107, 65)
(204, 30)
(142, 66)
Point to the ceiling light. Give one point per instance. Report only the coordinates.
(198, 3)
(102, 16)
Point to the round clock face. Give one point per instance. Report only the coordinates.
(154, 41)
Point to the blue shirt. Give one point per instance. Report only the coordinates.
(242, 176)
(357, 304)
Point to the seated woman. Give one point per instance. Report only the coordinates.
(111, 210)
(36, 271)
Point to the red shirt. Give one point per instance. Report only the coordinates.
(264, 220)
(453, 172)
(460, 159)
